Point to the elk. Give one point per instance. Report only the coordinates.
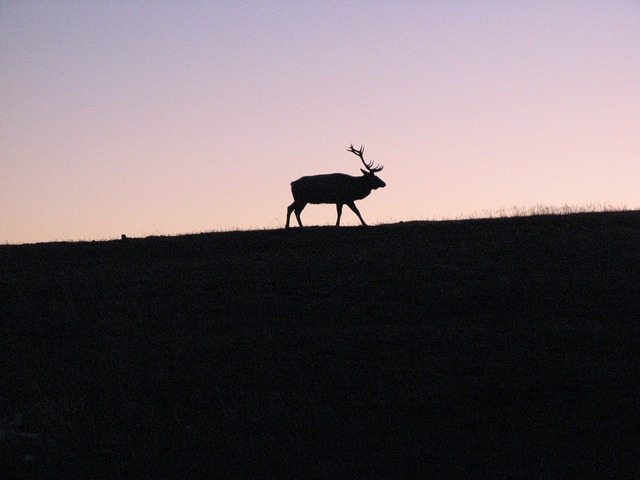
(337, 188)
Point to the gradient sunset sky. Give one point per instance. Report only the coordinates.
(154, 118)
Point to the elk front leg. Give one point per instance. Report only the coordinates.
(353, 207)
(339, 209)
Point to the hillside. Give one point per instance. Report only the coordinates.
(504, 348)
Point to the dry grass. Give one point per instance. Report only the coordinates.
(543, 209)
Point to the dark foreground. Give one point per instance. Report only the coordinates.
(499, 348)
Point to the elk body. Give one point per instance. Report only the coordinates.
(336, 188)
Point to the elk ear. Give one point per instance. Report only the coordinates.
(365, 172)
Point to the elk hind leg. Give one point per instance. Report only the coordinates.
(296, 207)
(290, 209)
(289, 212)
(339, 209)
(298, 210)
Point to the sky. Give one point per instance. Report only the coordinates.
(161, 117)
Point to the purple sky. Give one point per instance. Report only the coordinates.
(156, 117)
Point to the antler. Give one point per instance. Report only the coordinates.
(368, 165)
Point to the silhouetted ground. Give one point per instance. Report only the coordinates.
(503, 348)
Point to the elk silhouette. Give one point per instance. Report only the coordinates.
(335, 188)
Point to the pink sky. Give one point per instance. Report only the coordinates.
(153, 118)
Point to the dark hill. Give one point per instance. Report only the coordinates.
(503, 348)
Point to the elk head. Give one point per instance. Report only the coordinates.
(370, 172)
